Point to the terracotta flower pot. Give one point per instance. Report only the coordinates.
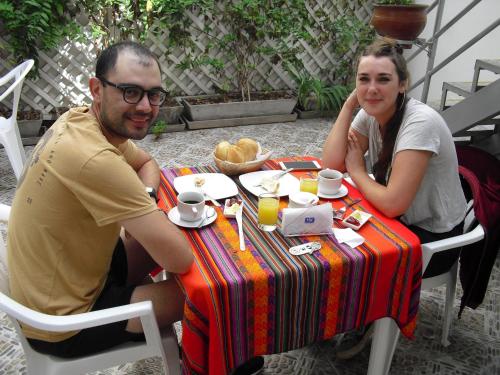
(402, 22)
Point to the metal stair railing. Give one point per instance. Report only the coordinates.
(431, 45)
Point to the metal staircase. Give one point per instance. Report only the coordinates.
(475, 119)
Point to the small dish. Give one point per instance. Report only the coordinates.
(339, 194)
(302, 199)
(231, 207)
(175, 218)
(359, 218)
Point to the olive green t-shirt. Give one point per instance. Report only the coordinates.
(63, 226)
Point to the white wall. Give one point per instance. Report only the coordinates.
(462, 68)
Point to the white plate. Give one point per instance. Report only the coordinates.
(288, 183)
(175, 218)
(339, 194)
(217, 185)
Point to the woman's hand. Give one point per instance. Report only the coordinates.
(354, 158)
(352, 100)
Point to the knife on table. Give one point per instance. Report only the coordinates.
(239, 221)
(276, 177)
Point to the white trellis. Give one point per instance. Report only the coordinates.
(64, 73)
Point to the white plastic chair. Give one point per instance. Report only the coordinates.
(387, 331)
(473, 232)
(9, 132)
(164, 346)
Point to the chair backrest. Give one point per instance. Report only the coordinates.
(17, 75)
(473, 232)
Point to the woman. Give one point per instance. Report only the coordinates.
(410, 152)
(410, 148)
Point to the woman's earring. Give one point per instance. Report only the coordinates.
(402, 101)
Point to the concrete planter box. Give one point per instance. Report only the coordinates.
(237, 121)
(314, 113)
(236, 109)
(29, 128)
(211, 111)
(171, 115)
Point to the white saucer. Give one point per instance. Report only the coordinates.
(339, 194)
(175, 218)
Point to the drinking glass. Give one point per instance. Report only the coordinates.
(309, 184)
(268, 211)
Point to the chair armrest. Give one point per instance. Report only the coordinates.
(428, 249)
(73, 322)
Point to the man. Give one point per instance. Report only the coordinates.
(85, 183)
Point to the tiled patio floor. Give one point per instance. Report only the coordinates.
(475, 339)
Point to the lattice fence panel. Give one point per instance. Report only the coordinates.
(64, 73)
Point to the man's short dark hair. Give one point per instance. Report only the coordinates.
(107, 58)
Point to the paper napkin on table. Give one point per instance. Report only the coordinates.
(305, 221)
(348, 236)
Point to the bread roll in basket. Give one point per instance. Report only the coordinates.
(232, 169)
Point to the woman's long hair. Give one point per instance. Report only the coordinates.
(388, 48)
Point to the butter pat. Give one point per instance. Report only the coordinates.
(231, 207)
(270, 184)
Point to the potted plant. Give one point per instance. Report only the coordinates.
(233, 59)
(317, 99)
(399, 19)
(169, 118)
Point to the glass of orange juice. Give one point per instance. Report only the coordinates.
(268, 208)
(309, 184)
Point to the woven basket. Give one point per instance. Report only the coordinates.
(232, 169)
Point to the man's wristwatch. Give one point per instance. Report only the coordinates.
(152, 193)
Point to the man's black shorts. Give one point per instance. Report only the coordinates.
(92, 340)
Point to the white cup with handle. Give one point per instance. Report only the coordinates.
(330, 181)
(190, 205)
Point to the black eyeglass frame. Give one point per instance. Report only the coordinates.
(124, 86)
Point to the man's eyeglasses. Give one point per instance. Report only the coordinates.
(133, 94)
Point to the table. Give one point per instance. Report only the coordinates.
(240, 304)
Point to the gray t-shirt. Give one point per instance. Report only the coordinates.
(440, 203)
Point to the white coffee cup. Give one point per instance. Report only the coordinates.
(330, 181)
(190, 205)
(302, 199)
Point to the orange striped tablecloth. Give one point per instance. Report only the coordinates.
(240, 304)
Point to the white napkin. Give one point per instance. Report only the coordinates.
(348, 236)
(306, 221)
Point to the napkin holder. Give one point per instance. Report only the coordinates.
(313, 220)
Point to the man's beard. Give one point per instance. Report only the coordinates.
(118, 127)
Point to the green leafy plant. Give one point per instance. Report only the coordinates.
(111, 21)
(247, 23)
(158, 128)
(346, 37)
(31, 26)
(314, 94)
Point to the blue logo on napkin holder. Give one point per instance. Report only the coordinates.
(309, 220)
